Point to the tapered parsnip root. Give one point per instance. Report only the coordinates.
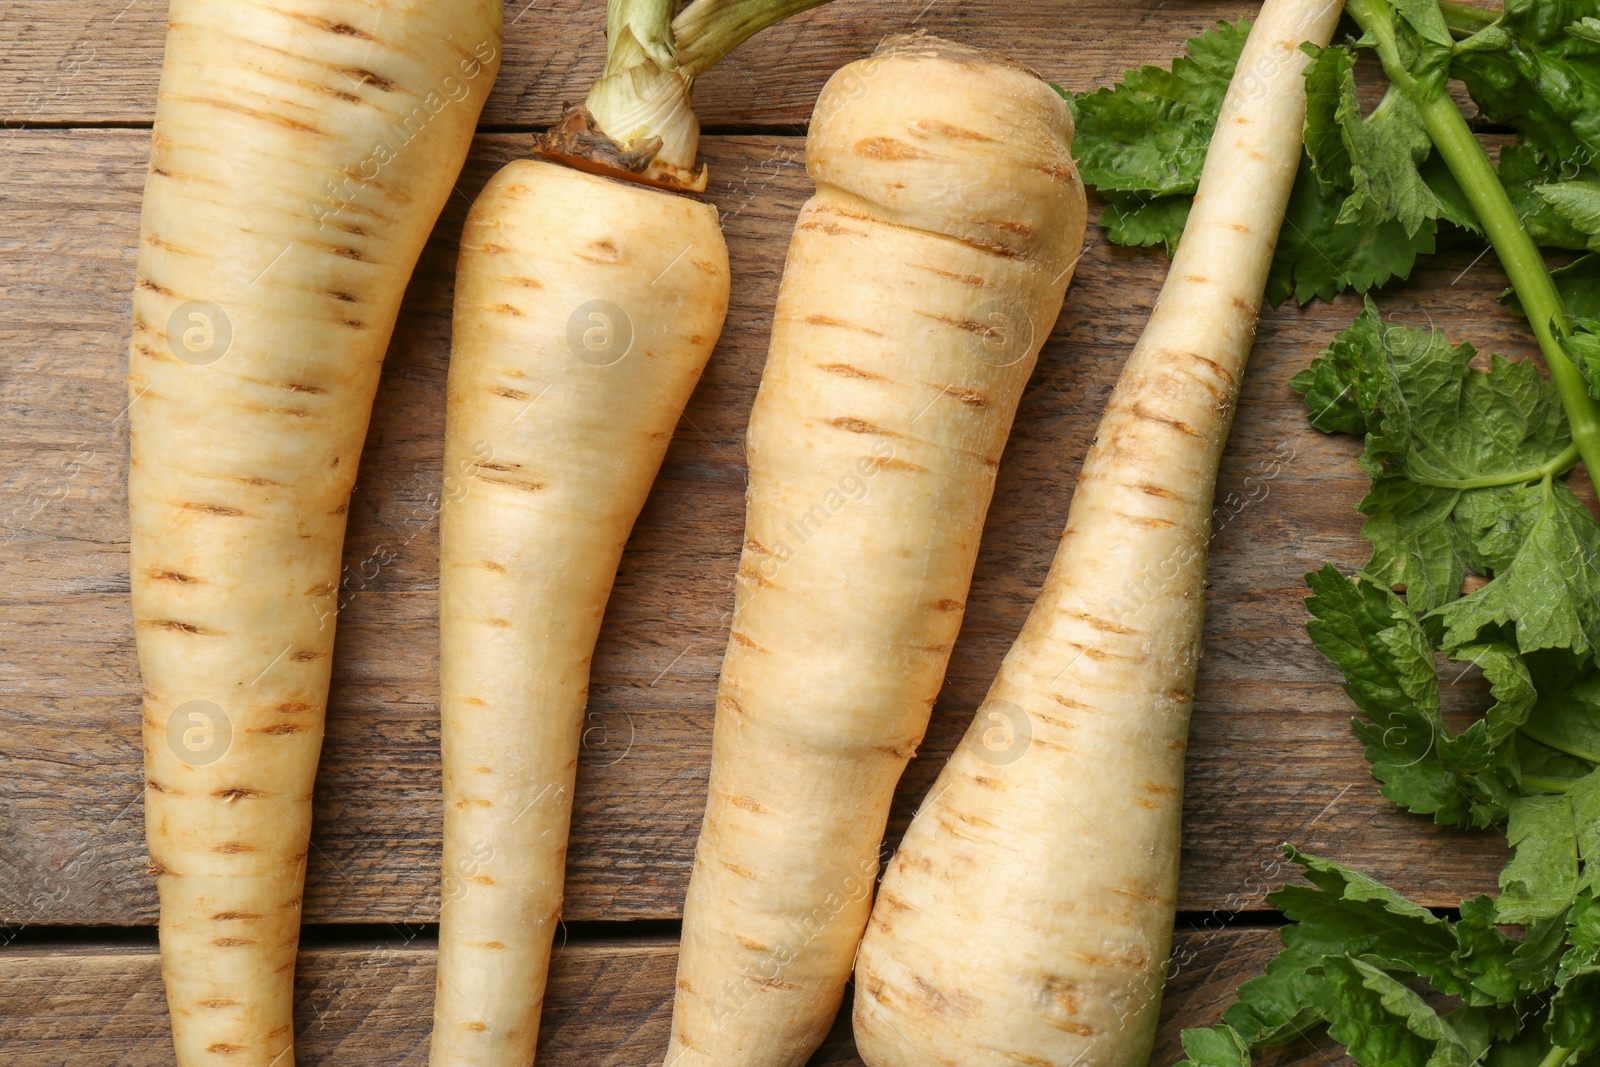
(1026, 917)
(302, 151)
(586, 309)
(921, 281)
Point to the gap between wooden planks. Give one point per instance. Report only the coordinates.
(370, 1005)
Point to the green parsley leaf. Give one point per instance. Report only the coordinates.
(1531, 71)
(1383, 1022)
(1443, 439)
(1218, 1046)
(1130, 219)
(1578, 204)
(1149, 133)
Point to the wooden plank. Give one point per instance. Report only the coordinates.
(609, 1004)
(1272, 758)
(99, 60)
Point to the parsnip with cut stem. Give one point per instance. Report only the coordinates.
(301, 153)
(922, 280)
(587, 305)
(1026, 917)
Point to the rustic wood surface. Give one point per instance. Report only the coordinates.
(369, 1005)
(99, 60)
(1271, 759)
(1272, 755)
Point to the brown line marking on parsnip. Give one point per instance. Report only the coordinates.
(367, 77)
(527, 487)
(476, 702)
(343, 29)
(946, 604)
(493, 945)
(993, 249)
(476, 1028)
(346, 251)
(853, 425)
(146, 283)
(354, 324)
(749, 943)
(234, 848)
(468, 802)
(282, 729)
(829, 320)
(891, 464)
(234, 942)
(301, 387)
(845, 370)
(292, 706)
(166, 246)
(233, 916)
(237, 793)
(153, 785)
(1140, 412)
(306, 655)
(1243, 307)
(1068, 702)
(1156, 490)
(481, 879)
(265, 116)
(1021, 229)
(973, 280)
(1146, 520)
(528, 283)
(220, 1002)
(968, 325)
(756, 546)
(262, 483)
(732, 704)
(745, 640)
(222, 1048)
(889, 149)
(499, 623)
(280, 968)
(1221, 371)
(506, 309)
(742, 872)
(749, 804)
(935, 128)
(171, 576)
(510, 394)
(970, 397)
(832, 229)
(754, 576)
(178, 627)
(1182, 696)
(1104, 625)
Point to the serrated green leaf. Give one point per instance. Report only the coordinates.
(1583, 348)
(1550, 589)
(1384, 1023)
(1217, 1046)
(1522, 173)
(1137, 222)
(1578, 204)
(1541, 880)
(1148, 134)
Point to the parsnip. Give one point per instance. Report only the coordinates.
(551, 449)
(587, 305)
(1027, 916)
(302, 151)
(922, 279)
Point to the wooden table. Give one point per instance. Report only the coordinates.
(1272, 756)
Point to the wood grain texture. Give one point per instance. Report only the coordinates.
(609, 1004)
(99, 60)
(1272, 757)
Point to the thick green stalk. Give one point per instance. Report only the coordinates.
(1520, 257)
(1466, 19)
(1556, 1057)
(710, 29)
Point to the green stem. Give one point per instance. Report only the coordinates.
(707, 30)
(1566, 458)
(1549, 785)
(1520, 257)
(1556, 1057)
(636, 29)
